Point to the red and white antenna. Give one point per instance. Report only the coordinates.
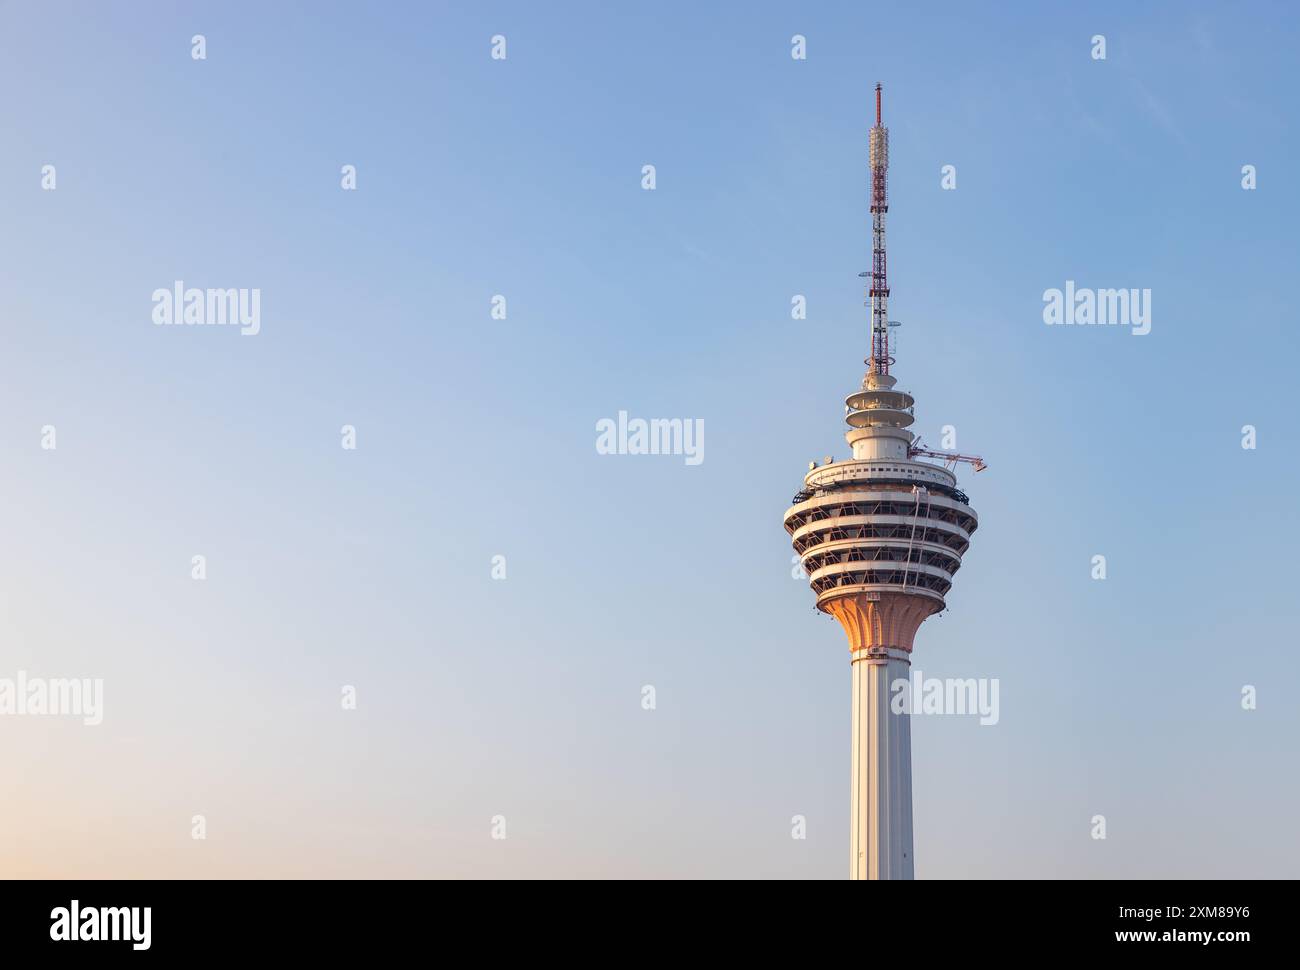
(878, 151)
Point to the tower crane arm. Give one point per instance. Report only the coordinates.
(948, 457)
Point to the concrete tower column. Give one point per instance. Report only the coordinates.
(880, 834)
(881, 628)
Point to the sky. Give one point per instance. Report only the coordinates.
(488, 706)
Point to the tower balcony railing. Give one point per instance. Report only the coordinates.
(813, 539)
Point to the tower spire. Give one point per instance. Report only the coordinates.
(878, 153)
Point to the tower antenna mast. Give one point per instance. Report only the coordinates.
(878, 152)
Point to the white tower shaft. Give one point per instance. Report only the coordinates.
(880, 838)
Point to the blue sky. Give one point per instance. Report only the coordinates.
(476, 437)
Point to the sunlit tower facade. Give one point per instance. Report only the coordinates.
(881, 535)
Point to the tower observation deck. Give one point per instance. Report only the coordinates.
(881, 536)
